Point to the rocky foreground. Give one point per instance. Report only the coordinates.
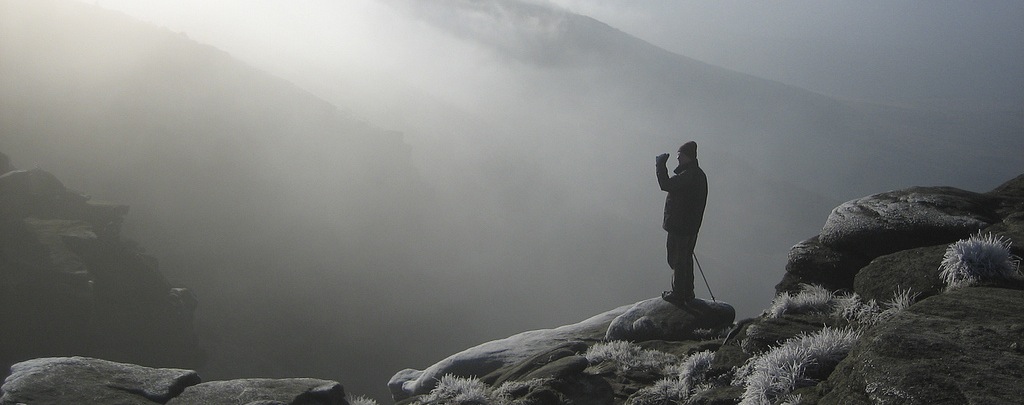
(864, 315)
(842, 287)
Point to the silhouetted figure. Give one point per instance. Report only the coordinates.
(684, 210)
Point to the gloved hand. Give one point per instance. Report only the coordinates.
(661, 159)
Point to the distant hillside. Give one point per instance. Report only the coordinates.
(663, 96)
(266, 199)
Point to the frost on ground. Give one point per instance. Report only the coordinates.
(799, 362)
(453, 390)
(817, 299)
(811, 298)
(687, 378)
(980, 258)
(630, 357)
(362, 400)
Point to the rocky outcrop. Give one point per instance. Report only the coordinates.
(500, 354)
(555, 354)
(80, 380)
(916, 270)
(965, 346)
(812, 262)
(961, 346)
(71, 285)
(897, 220)
(656, 319)
(85, 380)
(862, 230)
(263, 391)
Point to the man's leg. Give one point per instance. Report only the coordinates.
(680, 259)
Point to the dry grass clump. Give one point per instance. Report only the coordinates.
(811, 298)
(688, 378)
(817, 299)
(628, 356)
(801, 361)
(866, 313)
(453, 390)
(980, 258)
(362, 400)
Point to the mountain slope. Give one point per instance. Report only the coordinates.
(271, 202)
(752, 116)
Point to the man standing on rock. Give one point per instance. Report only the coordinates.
(684, 210)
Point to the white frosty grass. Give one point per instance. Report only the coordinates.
(362, 400)
(817, 299)
(689, 378)
(628, 356)
(852, 308)
(504, 393)
(664, 391)
(711, 334)
(773, 375)
(458, 391)
(810, 298)
(792, 400)
(977, 259)
(452, 390)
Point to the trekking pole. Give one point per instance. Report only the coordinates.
(704, 277)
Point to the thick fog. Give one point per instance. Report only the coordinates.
(477, 168)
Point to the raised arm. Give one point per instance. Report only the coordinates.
(670, 184)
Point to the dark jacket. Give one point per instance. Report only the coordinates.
(687, 196)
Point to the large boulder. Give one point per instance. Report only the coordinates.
(811, 262)
(290, 391)
(657, 319)
(1010, 196)
(80, 380)
(897, 220)
(1011, 228)
(959, 347)
(520, 371)
(488, 357)
(913, 269)
(764, 333)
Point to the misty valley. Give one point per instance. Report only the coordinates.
(184, 218)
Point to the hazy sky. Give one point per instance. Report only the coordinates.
(875, 50)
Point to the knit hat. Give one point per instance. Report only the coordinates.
(689, 149)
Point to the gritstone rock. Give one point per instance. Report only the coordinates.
(960, 347)
(484, 359)
(913, 269)
(290, 391)
(79, 380)
(811, 262)
(518, 372)
(764, 333)
(657, 319)
(919, 216)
